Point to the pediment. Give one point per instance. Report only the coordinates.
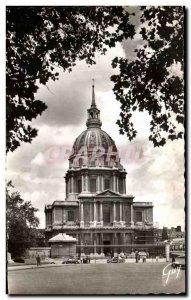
(108, 193)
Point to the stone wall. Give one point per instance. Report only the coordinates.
(41, 251)
(147, 214)
(63, 249)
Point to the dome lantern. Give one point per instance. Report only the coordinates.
(93, 113)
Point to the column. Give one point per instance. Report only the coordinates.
(78, 250)
(90, 213)
(102, 183)
(72, 184)
(82, 244)
(101, 213)
(132, 219)
(117, 190)
(95, 236)
(69, 185)
(98, 184)
(114, 213)
(87, 185)
(120, 212)
(91, 241)
(95, 204)
(82, 183)
(64, 216)
(115, 243)
(114, 183)
(123, 242)
(101, 242)
(81, 214)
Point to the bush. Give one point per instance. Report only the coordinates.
(19, 260)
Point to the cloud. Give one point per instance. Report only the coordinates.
(38, 160)
(69, 98)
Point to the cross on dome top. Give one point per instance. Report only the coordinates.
(93, 94)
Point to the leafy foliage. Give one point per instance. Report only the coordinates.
(148, 82)
(41, 39)
(165, 234)
(21, 222)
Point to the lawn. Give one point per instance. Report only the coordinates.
(96, 279)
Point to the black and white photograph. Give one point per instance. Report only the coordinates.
(95, 150)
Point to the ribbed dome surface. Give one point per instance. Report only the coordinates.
(92, 138)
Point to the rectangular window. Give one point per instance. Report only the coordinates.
(79, 186)
(106, 213)
(93, 185)
(139, 216)
(106, 184)
(70, 215)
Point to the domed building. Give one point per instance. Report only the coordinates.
(97, 210)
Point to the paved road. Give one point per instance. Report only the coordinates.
(96, 279)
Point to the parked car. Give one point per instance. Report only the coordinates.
(48, 260)
(142, 254)
(179, 262)
(19, 260)
(71, 260)
(116, 259)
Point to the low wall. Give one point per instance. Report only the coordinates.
(41, 251)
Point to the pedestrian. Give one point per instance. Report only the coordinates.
(136, 256)
(38, 260)
(173, 261)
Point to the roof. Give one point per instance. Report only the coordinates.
(62, 237)
(139, 204)
(178, 240)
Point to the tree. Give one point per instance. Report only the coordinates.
(21, 222)
(164, 234)
(41, 39)
(148, 82)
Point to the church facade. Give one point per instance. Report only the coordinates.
(97, 210)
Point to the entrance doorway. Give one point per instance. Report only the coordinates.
(107, 250)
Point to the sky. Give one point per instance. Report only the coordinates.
(37, 170)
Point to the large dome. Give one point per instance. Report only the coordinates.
(94, 147)
(94, 137)
(95, 142)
